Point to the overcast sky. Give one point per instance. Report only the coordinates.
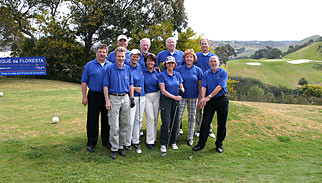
(255, 19)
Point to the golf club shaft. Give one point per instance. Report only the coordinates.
(174, 117)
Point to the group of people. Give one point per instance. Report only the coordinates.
(124, 84)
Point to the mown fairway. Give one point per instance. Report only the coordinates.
(277, 72)
(265, 143)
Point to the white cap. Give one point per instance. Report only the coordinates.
(121, 37)
(170, 59)
(135, 52)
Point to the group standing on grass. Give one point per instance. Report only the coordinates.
(126, 84)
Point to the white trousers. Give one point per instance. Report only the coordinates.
(152, 105)
(136, 119)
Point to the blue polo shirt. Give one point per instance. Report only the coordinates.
(93, 75)
(190, 77)
(211, 80)
(203, 61)
(162, 56)
(111, 57)
(138, 78)
(151, 81)
(171, 83)
(118, 80)
(141, 61)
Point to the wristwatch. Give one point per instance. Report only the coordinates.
(209, 96)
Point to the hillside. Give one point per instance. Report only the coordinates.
(264, 143)
(310, 52)
(248, 48)
(277, 72)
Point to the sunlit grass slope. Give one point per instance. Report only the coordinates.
(310, 52)
(277, 72)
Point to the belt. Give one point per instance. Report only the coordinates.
(116, 94)
(220, 97)
(96, 92)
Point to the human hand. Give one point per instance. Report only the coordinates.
(84, 101)
(108, 105)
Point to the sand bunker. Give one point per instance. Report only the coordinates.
(301, 61)
(253, 63)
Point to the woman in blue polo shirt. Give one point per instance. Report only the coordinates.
(170, 82)
(192, 76)
(152, 99)
(136, 113)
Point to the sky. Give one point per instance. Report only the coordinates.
(262, 20)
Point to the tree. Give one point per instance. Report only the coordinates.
(302, 82)
(255, 93)
(88, 17)
(225, 52)
(124, 17)
(268, 53)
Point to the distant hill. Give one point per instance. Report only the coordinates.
(248, 48)
(310, 52)
(315, 37)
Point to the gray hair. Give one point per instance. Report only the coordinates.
(120, 49)
(145, 39)
(102, 46)
(174, 39)
(215, 56)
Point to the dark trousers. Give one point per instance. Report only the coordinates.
(96, 105)
(169, 117)
(221, 107)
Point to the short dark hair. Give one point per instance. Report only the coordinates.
(102, 46)
(152, 56)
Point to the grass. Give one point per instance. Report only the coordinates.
(263, 144)
(310, 52)
(277, 72)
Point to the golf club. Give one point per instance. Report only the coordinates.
(174, 117)
(140, 126)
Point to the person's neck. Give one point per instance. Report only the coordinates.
(172, 50)
(205, 52)
(120, 65)
(189, 65)
(150, 69)
(102, 62)
(133, 64)
(215, 70)
(170, 72)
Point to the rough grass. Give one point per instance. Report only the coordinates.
(264, 143)
(277, 72)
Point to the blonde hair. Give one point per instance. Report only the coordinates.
(190, 52)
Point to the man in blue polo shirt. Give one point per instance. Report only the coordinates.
(122, 41)
(213, 99)
(171, 51)
(203, 63)
(118, 83)
(145, 44)
(93, 78)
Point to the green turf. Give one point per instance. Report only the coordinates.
(310, 52)
(260, 146)
(277, 72)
